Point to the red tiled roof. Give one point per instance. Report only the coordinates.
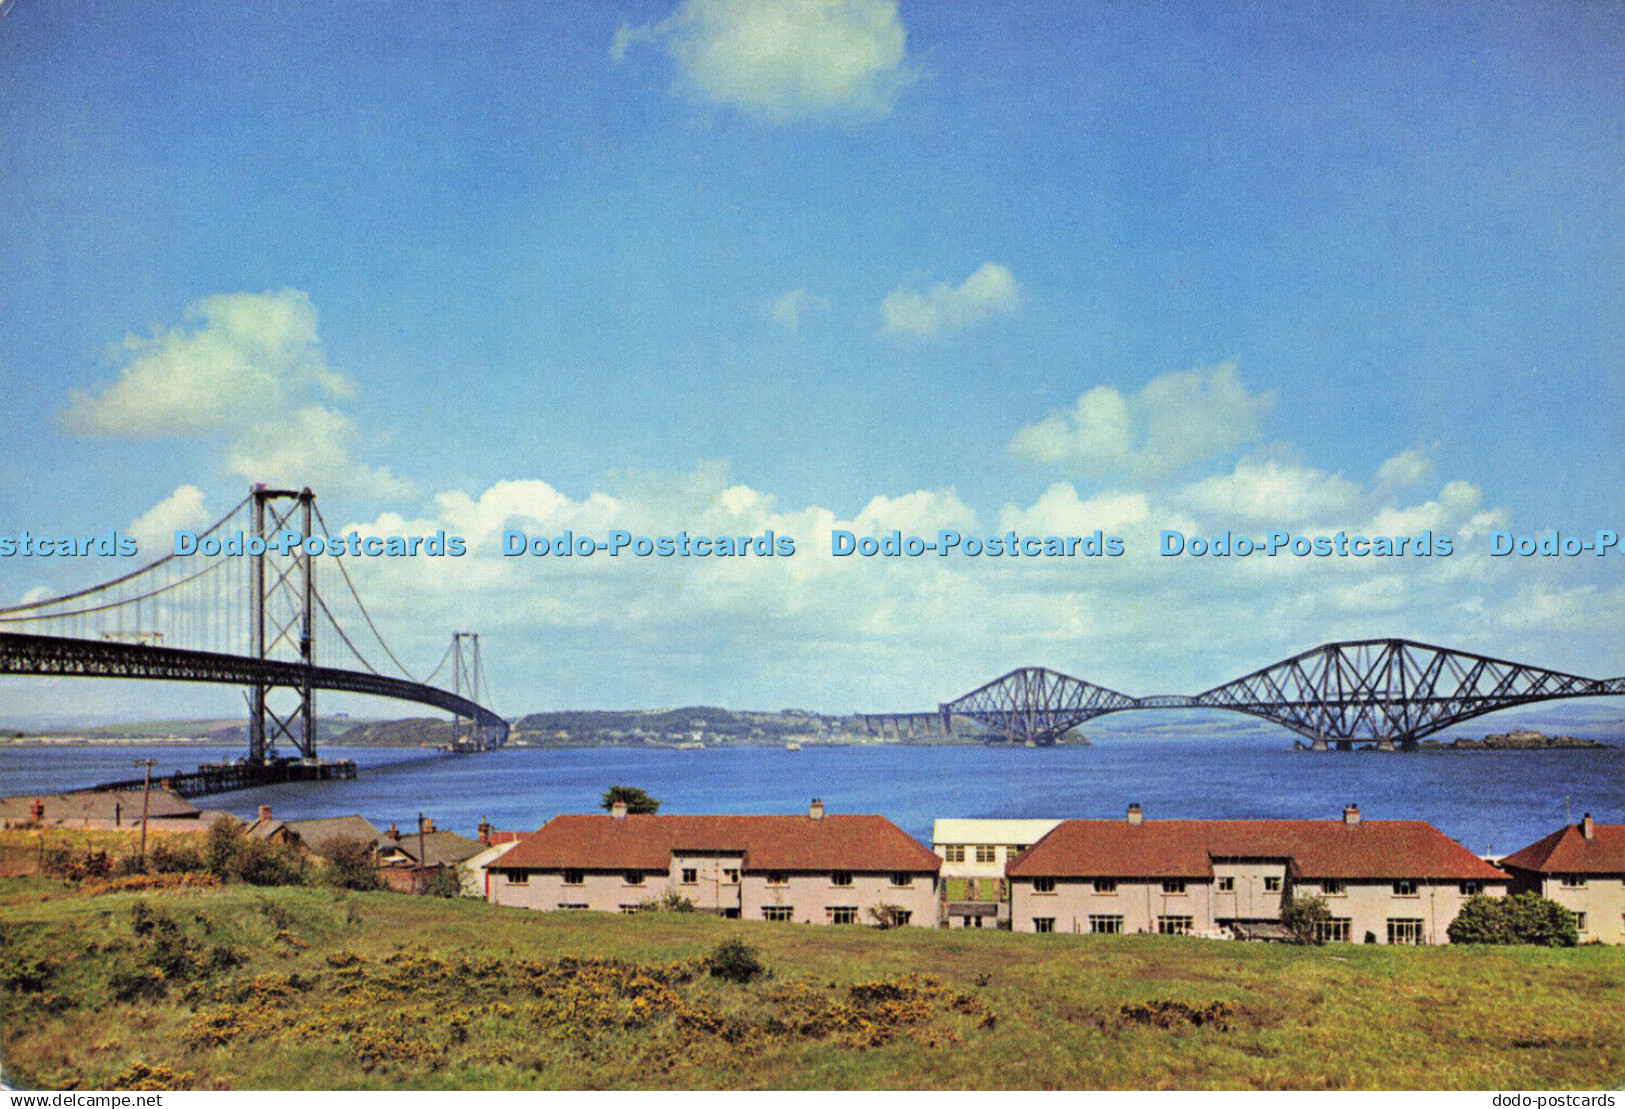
(647, 842)
(1567, 851)
(1186, 849)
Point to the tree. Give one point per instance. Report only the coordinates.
(636, 800)
(221, 845)
(1521, 918)
(350, 864)
(1304, 915)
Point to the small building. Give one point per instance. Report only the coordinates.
(408, 862)
(816, 869)
(1385, 881)
(102, 809)
(313, 836)
(1581, 867)
(476, 877)
(974, 854)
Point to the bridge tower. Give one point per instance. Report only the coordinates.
(465, 682)
(283, 624)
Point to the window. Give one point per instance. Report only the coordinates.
(1043, 924)
(1102, 924)
(900, 917)
(1468, 889)
(841, 878)
(730, 875)
(777, 878)
(634, 877)
(902, 878)
(987, 853)
(1018, 848)
(841, 914)
(1580, 921)
(628, 910)
(519, 877)
(1272, 883)
(691, 875)
(571, 905)
(1227, 885)
(1043, 885)
(1105, 885)
(1173, 885)
(1573, 881)
(1336, 930)
(1333, 888)
(777, 912)
(1404, 930)
(574, 877)
(1405, 887)
(953, 853)
(1174, 925)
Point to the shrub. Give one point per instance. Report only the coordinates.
(262, 863)
(1303, 916)
(176, 858)
(221, 845)
(445, 883)
(733, 961)
(350, 864)
(888, 916)
(1520, 918)
(127, 866)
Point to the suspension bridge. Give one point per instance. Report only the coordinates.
(1385, 692)
(251, 614)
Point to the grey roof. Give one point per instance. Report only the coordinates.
(317, 834)
(97, 805)
(439, 848)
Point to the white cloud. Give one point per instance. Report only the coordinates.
(1177, 420)
(155, 528)
(789, 310)
(785, 60)
(991, 289)
(1269, 491)
(1404, 469)
(252, 373)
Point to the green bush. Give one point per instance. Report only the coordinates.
(176, 858)
(445, 883)
(221, 845)
(1520, 918)
(350, 864)
(1304, 915)
(733, 961)
(262, 863)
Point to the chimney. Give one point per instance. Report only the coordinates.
(816, 809)
(617, 810)
(1351, 814)
(37, 810)
(485, 831)
(265, 813)
(1135, 816)
(428, 824)
(394, 834)
(1587, 829)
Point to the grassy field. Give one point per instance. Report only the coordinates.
(303, 988)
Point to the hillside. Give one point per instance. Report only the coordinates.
(243, 988)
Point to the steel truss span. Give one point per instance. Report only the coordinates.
(1388, 692)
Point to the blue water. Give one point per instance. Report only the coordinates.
(1488, 800)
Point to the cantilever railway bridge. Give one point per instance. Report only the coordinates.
(1389, 692)
(249, 619)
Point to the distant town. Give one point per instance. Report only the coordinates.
(687, 728)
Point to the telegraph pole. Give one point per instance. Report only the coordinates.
(146, 794)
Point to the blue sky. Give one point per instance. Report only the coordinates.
(712, 263)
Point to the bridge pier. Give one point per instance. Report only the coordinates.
(1319, 743)
(1345, 745)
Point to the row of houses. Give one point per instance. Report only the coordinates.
(1385, 881)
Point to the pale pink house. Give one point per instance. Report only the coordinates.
(1385, 881)
(813, 869)
(1581, 867)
